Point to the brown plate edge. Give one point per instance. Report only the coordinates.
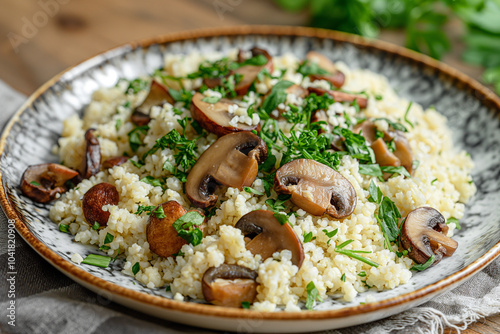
(461, 80)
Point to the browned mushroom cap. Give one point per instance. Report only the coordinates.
(91, 163)
(401, 156)
(250, 72)
(214, 117)
(265, 235)
(403, 150)
(95, 198)
(316, 188)
(116, 161)
(157, 96)
(424, 234)
(43, 182)
(229, 285)
(162, 237)
(334, 76)
(339, 96)
(232, 161)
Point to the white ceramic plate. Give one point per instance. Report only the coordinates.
(472, 110)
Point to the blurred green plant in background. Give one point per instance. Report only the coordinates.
(423, 22)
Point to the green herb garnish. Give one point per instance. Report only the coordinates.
(308, 237)
(453, 220)
(211, 99)
(97, 260)
(420, 267)
(312, 295)
(245, 305)
(375, 193)
(96, 226)
(152, 181)
(187, 227)
(253, 191)
(64, 228)
(282, 218)
(355, 253)
(134, 137)
(135, 268)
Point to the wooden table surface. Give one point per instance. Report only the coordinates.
(37, 43)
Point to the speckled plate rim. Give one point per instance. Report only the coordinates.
(445, 72)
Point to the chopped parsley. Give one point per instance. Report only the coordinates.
(282, 218)
(453, 220)
(253, 191)
(97, 260)
(389, 215)
(152, 181)
(310, 68)
(277, 96)
(187, 227)
(356, 145)
(96, 226)
(245, 305)
(182, 95)
(109, 238)
(118, 124)
(421, 267)
(137, 164)
(375, 193)
(137, 85)
(415, 164)
(330, 234)
(308, 237)
(134, 137)
(406, 114)
(211, 99)
(312, 295)
(395, 170)
(355, 253)
(143, 208)
(186, 150)
(135, 268)
(64, 228)
(257, 60)
(36, 184)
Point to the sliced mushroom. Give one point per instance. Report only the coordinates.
(91, 163)
(229, 285)
(116, 161)
(402, 155)
(215, 117)
(334, 76)
(157, 96)
(162, 237)
(424, 234)
(232, 161)
(43, 182)
(250, 72)
(339, 96)
(316, 188)
(95, 198)
(265, 235)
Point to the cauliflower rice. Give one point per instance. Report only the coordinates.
(441, 181)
